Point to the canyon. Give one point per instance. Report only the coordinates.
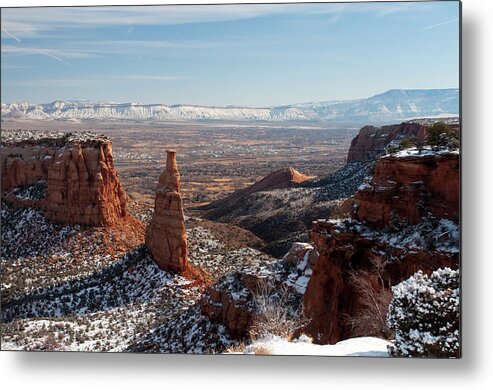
(385, 218)
(404, 219)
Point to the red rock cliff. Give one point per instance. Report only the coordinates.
(166, 237)
(372, 140)
(82, 186)
(410, 187)
(423, 190)
(24, 167)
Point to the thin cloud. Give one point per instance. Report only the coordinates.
(56, 54)
(441, 24)
(59, 83)
(10, 35)
(152, 78)
(334, 19)
(97, 80)
(12, 66)
(48, 54)
(29, 22)
(32, 51)
(126, 44)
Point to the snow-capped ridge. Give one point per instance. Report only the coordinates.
(392, 105)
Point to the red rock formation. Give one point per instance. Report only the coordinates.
(410, 187)
(82, 186)
(220, 307)
(283, 178)
(330, 297)
(372, 140)
(166, 236)
(24, 169)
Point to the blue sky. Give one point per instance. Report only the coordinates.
(253, 55)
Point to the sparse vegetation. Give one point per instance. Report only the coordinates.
(424, 314)
(275, 313)
(441, 135)
(374, 295)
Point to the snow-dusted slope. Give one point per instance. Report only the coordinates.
(386, 107)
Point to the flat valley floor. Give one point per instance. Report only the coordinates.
(214, 159)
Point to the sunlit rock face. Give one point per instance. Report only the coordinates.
(78, 177)
(405, 219)
(166, 237)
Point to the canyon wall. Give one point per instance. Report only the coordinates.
(423, 195)
(78, 177)
(409, 188)
(372, 140)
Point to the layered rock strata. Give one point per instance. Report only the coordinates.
(166, 236)
(406, 219)
(409, 188)
(372, 140)
(231, 301)
(82, 185)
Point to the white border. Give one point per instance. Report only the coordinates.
(128, 371)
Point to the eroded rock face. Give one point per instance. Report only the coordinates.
(330, 297)
(235, 310)
(22, 168)
(166, 236)
(409, 188)
(82, 185)
(422, 195)
(372, 140)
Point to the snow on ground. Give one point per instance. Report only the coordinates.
(441, 235)
(359, 346)
(212, 255)
(425, 151)
(62, 290)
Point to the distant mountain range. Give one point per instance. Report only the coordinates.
(390, 106)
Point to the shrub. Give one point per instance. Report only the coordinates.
(406, 144)
(440, 135)
(373, 299)
(275, 314)
(424, 313)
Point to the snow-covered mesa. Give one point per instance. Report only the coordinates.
(388, 106)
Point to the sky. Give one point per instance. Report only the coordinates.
(254, 55)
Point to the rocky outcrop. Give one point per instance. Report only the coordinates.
(166, 237)
(283, 178)
(331, 298)
(409, 187)
(372, 140)
(23, 167)
(229, 302)
(277, 209)
(82, 185)
(405, 220)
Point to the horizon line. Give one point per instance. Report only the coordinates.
(228, 105)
